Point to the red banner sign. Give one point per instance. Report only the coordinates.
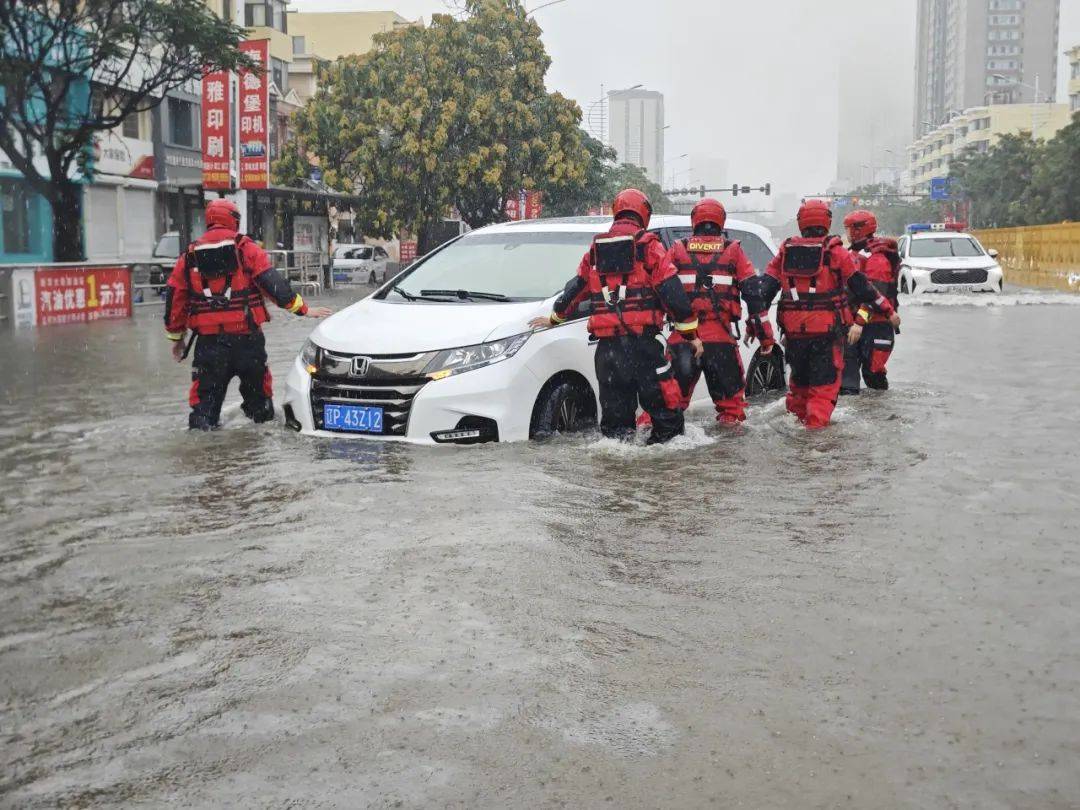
(215, 130)
(255, 117)
(407, 252)
(534, 205)
(82, 294)
(526, 205)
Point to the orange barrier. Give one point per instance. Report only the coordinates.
(1038, 256)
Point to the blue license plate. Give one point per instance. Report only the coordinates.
(353, 418)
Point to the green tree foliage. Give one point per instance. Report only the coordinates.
(603, 179)
(998, 181)
(452, 116)
(134, 51)
(1054, 193)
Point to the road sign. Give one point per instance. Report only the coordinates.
(841, 202)
(940, 188)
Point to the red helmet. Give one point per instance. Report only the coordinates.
(223, 213)
(814, 214)
(860, 225)
(709, 210)
(635, 202)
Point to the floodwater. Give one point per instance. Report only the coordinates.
(881, 615)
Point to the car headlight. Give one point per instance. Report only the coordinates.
(309, 356)
(467, 358)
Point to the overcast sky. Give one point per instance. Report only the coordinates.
(774, 65)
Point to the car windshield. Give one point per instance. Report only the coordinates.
(944, 247)
(168, 246)
(755, 249)
(523, 266)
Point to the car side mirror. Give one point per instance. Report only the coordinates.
(993, 253)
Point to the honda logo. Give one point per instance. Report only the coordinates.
(360, 366)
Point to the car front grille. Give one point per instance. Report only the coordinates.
(395, 397)
(959, 276)
(388, 381)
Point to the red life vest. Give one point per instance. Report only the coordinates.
(707, 269)
(886, 282)
(222, 296)
(813, 297)
(620, 286)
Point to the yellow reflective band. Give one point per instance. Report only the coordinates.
(689, 326)
(864, 313)
(297, 304)
(174, 335)
(555, 319)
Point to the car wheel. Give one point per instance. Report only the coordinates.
(371, 279)
(562, 408)
(766, 373)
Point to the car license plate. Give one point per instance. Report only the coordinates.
(352, 418)
(961, 288)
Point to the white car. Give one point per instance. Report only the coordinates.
(942, 258)
(359, 264)
(443, 354)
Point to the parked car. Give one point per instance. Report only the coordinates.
(148, 278)
(442, 354)
(945, 258)
(359, 264)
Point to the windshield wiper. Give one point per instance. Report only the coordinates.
(403, 294)
(467, 295)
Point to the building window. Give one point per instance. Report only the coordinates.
(181, 122)
(299, 45)
(16, 216)
(266, 15)
(279, 74)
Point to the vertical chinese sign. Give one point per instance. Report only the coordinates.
(534, 205)
(215, 130)
(255, 117)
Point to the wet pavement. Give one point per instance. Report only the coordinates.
(883, 614)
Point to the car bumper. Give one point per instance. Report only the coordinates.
(503, 393)
(922, 283)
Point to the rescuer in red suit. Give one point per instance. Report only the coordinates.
(216, 290)
(814, 275)
(712, 269)
(633, 288)
(872, 337)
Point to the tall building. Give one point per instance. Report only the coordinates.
(1074, 78)
(976, 52)
(636, 130)
(332, 34)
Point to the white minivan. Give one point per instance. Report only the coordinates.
(443, 354)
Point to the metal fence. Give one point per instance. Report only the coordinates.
(1038, 256)
(305, 269)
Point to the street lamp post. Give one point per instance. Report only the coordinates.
(1035, 104)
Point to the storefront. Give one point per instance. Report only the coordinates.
(293, 219)
(25, 220)
(178, 156)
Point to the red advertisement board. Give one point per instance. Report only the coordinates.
(407, 251)
(215, 130)
(82, 294)
(255, 117)
(534, 205)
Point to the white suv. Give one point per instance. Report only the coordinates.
(443, 354)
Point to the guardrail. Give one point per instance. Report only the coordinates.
(1038, 256)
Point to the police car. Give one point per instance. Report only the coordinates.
(944, 258)
(442, 353)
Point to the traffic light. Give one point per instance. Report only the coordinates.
(768, 189)
(734, 189)
(701, 191)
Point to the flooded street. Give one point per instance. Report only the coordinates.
(883, 614)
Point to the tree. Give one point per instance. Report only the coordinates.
(997, 182)
(454, 116)
(54, 52)
(627, 176)
(1054, 193)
